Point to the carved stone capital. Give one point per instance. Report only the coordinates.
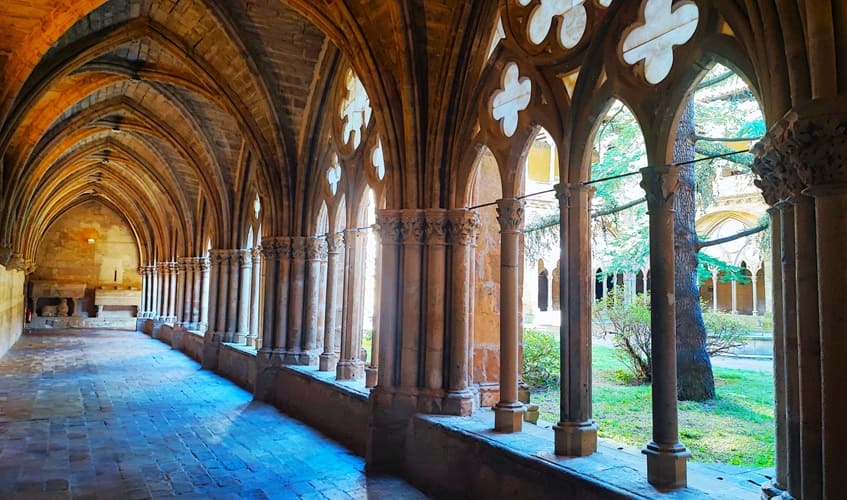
(203, 263)
(315, 248)
(17, 262)
(464, 227)
(245, 257)
(334, 243)
(414, 227)
(437, 227)
(298, 247)
(769, 161)
(817, 148)
(218, 256)
(510, 213)
(660, 185)
(256, 253)
(389, 226)
(284, 247)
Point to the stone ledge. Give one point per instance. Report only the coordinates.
(440, 447)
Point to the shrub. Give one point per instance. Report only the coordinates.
(723, 332)
(540, 359)
(629, 326)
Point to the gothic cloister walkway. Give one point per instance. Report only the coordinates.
(115, 414)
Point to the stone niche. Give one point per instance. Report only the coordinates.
(114, 302)
(56, 299)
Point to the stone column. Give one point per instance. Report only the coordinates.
(255, 296)
(315, 250)
(295, 300)
(714, 288)
(734, 297)
(284, 276)
(185, 285)
(391, 237)
(790, 345)
(157, 290)
(145, 289)
(508, 412)
(334, 246)
(767, 162)
(232, 302)
(780, 423)
(223, 293)
(174, 268)
(435, 318)
(464, 230)
(214, 336)
(576, 432)
(201, 301)
(666, 456)
(816, 136)
(245, 277)
(349, 365)
(270, 268)
(809, 348)
(414, 233)
(165, 275)
(754, 280)
(212, 308)
(161, 284)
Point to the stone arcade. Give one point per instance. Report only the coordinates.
(226, 158)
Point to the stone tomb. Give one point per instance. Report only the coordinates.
(56, 299)
(115, 302)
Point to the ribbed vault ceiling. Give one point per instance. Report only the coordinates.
(156, 108)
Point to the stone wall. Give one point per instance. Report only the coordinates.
(65, 254)
(11, 307)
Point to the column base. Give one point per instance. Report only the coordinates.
(327, 362)
(575, 439)
(308, 358)
(770, 491)
(291, 358)
(508, 417)
(460, 403)
(349, 370)
(666, 465)
(371, 374)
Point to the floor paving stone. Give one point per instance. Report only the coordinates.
(106, 414)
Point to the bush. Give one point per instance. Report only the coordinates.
(629, 326)
(723, 332)
(540, 359)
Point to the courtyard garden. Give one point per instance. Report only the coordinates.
(736, 427)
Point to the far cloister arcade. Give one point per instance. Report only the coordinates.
(254, 150)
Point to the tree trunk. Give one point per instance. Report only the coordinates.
(694, 369)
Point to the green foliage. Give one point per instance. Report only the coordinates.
(728, 272)
(723, 332)
(540, 359)
(629, 327)
(736, 428)
(540, 236)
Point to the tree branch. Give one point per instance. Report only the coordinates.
(715, 80)
(619, 208)
(724, 139)
(726, 239)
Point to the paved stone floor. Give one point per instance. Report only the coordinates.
(114, 415)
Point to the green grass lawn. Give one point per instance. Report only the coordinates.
(735, 428)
